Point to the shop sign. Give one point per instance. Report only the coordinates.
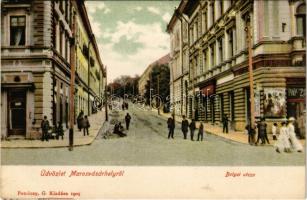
(296, 93)
(208, 90)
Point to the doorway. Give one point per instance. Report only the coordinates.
(17, 112)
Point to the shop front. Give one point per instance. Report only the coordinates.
(296, 103)
(17, 105)
(208, 102)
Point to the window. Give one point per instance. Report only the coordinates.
(301, 20)
(283, 27)
(212, 49)
(205, 60)
(61, 40)
(230, 42)
(220, 42)
(205, 24)
(17, 30)
(231, 105)
(221, 7)
(66, 10)
(212, 12)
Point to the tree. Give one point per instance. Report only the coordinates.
(124, 85)
(163, 72)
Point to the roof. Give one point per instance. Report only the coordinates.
(177, 13)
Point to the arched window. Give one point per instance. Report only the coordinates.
(301, 19)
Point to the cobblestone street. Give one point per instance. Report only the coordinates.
(147, 144)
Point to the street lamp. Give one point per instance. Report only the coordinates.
(158, 93)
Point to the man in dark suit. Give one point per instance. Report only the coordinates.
(225, 123)
(192, 129)
(171, 127)
(184, 127)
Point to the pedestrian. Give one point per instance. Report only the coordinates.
(59, 131)
(118, 129)
(200, 132)
(45, 127)
(192, 129)
(295, 143)
(283, 143)
(274, 131)
(225, 124)
(126, 105)
(184, 127)
(251, 133)
(261, 131)
(127, 119)
(80, 120)
(171, 127)
(86, 125)
(266, 133)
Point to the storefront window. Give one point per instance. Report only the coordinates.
(301, 20)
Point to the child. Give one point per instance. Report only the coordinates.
(274, 131)
(200, 132)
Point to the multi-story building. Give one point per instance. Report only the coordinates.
(36, 43)
(179, 63)
(218, 59)
(89, 67)
(146, 74)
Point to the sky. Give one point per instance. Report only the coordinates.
(130, 34)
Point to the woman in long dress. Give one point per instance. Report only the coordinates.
(283, 143)
(296, 145)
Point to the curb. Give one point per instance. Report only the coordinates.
(87, 141)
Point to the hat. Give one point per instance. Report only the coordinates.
(291, 119)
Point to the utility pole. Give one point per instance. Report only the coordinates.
(72, 82)
(250, 69)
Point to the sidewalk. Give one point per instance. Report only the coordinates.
(237, 136)
(96, 122)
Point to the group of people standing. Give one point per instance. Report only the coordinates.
(286, 141)
(45, 126)
(185, 127)
(262, 132)
(83, 123)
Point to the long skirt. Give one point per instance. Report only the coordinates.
(295, 143)
(282, 143)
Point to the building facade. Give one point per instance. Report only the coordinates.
(179, 62)
(218, 59)
(146, 74)
(36, 42)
